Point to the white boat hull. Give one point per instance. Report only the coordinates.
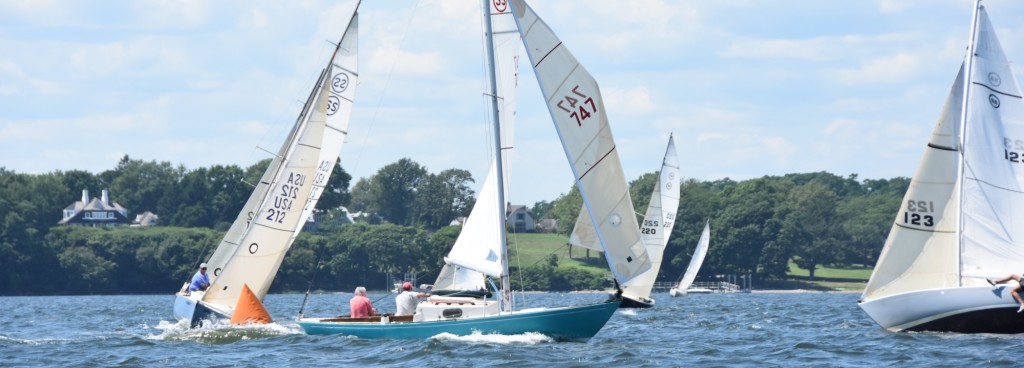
(190, 307)
(979, 309)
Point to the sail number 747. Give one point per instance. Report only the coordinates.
(580, 108)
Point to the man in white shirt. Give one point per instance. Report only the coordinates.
(406, 300)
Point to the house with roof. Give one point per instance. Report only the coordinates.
(94, 212)
(548, 226)
(518, 218)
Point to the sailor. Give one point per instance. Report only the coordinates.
(360, 305)
(406, 301)
(200, 281)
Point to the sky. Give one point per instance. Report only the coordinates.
(748, 88)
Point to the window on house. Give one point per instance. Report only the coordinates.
(520, 216)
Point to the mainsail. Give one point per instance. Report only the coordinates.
(577, 110)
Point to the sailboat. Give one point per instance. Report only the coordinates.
(683, 287)
(254, 246)
(959, 220)
(466, 315)
(655, 230)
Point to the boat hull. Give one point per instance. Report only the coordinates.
(628, 302)
(564, 324)
(978, 309)
(191, 308)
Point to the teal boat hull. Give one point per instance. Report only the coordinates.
(575, 323)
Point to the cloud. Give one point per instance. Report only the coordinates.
(634, 100)
(889, 69)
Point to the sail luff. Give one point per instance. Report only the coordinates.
(964, 106)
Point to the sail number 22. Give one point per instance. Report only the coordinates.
(919, 213)
(580, 107)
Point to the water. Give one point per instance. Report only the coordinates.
(760, 329)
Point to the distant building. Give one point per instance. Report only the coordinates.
(518, 218)
(146, 219)
(548, 225)
(94, 212)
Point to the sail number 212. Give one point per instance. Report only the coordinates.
(581, 107)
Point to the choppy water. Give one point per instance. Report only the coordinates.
(760, 329)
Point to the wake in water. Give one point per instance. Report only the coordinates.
(219, 333)
(529, 338)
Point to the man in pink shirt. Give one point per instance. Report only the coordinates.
(360, 305)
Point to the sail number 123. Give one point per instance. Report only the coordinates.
(919, 213)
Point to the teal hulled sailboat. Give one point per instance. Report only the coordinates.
(577, 110)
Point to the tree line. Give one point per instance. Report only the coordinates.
(758, 226)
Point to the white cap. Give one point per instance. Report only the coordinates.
(202, 265)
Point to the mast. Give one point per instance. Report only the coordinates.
(506, 293)
(968, 76)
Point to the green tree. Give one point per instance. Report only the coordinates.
(442, 197)
(811, 229)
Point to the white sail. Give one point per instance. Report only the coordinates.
(229, 243)
(928, 247)
(478, 245)
(697, 259)
(993, 176)
(455, 278)
(655, 228)
(577, 111)
(657, 224)
(920, 251)
(343, 82)
(263, 246)
(344, 76)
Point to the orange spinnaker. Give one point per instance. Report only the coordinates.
(249, 309)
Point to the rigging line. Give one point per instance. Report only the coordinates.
(387, 82)
(319, 261)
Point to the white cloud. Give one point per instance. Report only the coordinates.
(889, 69)
(634, 100)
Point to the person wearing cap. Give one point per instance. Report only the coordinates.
(406, 300)
(200, 281)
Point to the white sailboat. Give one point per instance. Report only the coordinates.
(655, 230)
(683, 287)
(466, 315)
(255, 245)
(958, 223)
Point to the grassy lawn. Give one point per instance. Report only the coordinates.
(529, 249)
(851, 272)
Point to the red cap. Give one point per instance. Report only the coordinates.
(407, 286)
